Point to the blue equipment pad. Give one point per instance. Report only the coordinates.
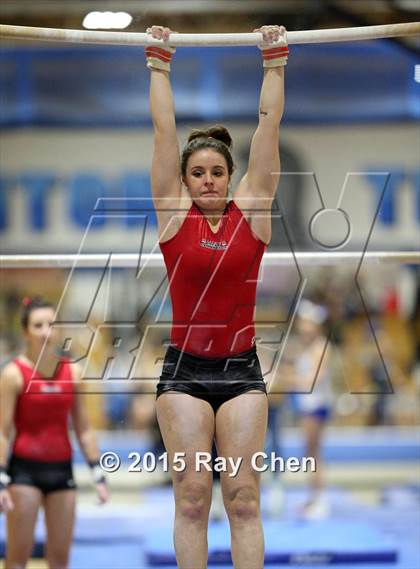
(290, 543)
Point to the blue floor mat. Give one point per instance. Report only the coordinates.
(291, 543)
(113, 556)
(355, 535)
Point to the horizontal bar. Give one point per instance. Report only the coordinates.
(237, 39)
(121, 260)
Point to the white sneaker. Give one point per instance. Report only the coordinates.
(316, 509)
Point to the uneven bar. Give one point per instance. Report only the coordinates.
(236, 39)
(122, 260)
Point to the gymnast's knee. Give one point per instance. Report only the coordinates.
(193, 502)
(242, 504)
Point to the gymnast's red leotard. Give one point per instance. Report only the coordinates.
(213, 279)
(42, 414)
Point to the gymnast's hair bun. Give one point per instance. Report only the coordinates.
(218, 132)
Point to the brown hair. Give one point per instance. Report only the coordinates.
(31, 304)
(216, 137)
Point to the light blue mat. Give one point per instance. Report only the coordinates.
(356, 535)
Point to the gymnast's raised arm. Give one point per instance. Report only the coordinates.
(257, 188)
(166, 170)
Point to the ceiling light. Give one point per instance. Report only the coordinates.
(107, 20)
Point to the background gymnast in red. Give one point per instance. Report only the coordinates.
(39, 394)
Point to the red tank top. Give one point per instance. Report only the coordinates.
(213, 279)
(42, 414)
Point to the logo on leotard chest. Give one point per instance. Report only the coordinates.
(218, 245)
(50, 388)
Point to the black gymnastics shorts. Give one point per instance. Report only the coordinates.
(46, 476)
(216, 380)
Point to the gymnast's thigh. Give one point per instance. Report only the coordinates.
(241, 425)
(187, 425)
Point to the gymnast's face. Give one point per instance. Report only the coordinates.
(40, 329)
(207, 179)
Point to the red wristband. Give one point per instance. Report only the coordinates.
(159, 57)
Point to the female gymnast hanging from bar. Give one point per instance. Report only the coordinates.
(211, 387)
